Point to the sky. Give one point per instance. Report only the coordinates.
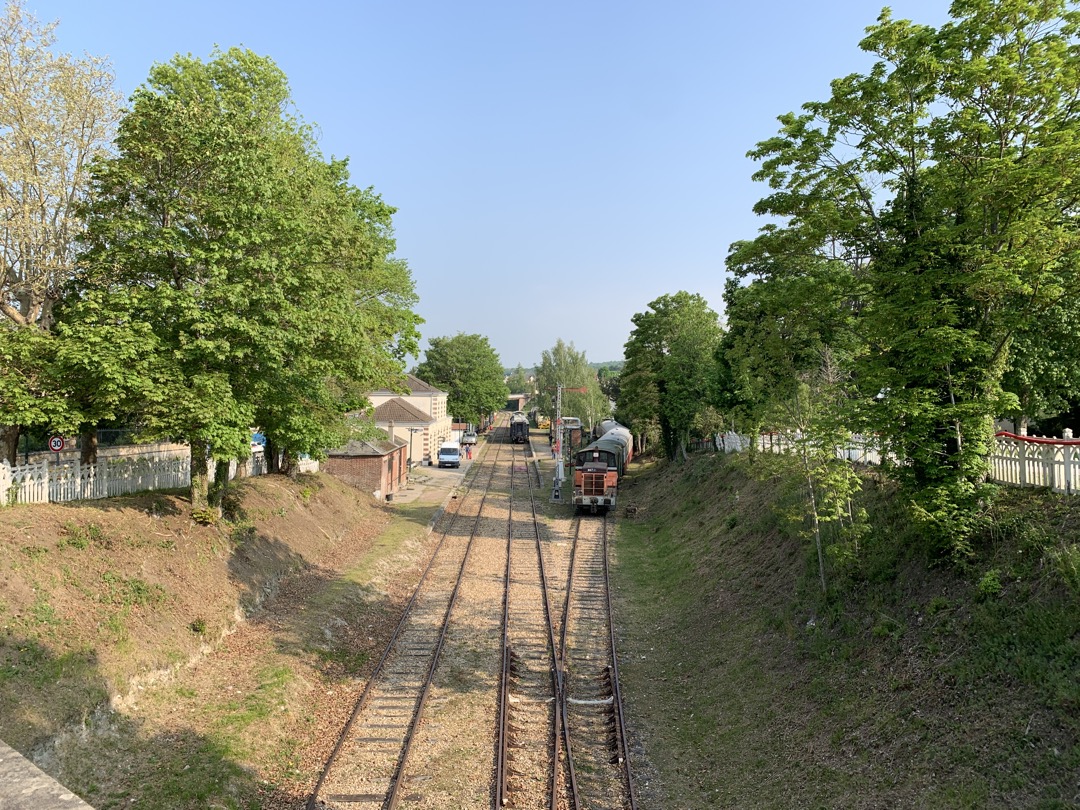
(556, 166)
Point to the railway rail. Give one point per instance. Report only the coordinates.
(593, 718)
(550, 710)
(367, 767)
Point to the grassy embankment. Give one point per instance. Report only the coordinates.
(126, 670)
(912, 684)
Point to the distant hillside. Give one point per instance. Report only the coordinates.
(614, 365)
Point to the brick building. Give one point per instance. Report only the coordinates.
(379, 467)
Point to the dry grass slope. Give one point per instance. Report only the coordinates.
(148, 661)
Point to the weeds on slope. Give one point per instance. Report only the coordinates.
(912, 682)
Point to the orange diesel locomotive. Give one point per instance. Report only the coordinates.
(599, 465)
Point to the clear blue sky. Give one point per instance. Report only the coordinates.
(556, 165)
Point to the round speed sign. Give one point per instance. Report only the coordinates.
(56, 443)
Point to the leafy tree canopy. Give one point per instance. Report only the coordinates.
(943, 181)
(56, 113)
(518, 381)
(265, 280)
(564, 365)
(469, 370)
(778, 328)
(670, 360)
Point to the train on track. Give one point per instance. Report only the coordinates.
(519, 428)
(600, 464)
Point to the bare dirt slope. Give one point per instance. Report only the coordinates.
(128, 670)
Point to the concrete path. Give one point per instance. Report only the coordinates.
(24, 786)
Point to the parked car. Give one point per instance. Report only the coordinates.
(468, 437)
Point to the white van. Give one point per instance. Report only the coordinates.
(450, 454)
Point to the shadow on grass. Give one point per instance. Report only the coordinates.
(156, 503)
(177, 769)
(104, 757)
(42, 690)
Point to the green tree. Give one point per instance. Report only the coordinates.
(608, 378)
(56, 113)
(670, 362)
(469, 370)
(1044, 366)
(564, 365)
(788, 356)
(943, 178)
(263, 277)
(779, 324)
(518, 382)
(357, 318)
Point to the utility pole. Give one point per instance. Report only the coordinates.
(412, 432)
(556, 493)
(560, 476)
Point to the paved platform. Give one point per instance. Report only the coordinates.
(24, 786)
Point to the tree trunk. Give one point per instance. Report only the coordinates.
(814, 518)
(817, 532)
(199, 477)
(88, 446)
(271, 453)
(9, 444)
(289, 465)
(221, 483)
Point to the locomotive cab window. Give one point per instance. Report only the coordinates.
(596, 457)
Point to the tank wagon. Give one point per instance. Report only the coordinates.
(599, 465)
(519, 428)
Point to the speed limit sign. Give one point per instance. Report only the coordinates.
(56, 443)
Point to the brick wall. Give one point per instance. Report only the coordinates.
(362, 472)
(379, 475)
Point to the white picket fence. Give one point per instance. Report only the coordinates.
(1026, 461)
(51, 482)
(1022, 461)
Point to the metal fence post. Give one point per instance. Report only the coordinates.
(1067, 450)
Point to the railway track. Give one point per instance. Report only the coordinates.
(563, 742)
(593, 719)
(368, 766)
(527, 761)
(523, 709)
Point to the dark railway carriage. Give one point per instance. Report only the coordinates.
(519, 428)
(599, 466)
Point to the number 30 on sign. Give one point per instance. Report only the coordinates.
(56, 443)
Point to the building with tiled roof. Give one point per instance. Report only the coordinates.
(400, 411)
(400, 415)
(377, 466)
(403, 420)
